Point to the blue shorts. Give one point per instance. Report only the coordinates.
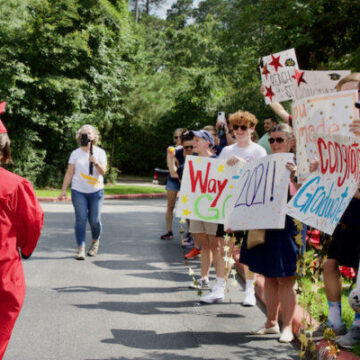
(172, 184)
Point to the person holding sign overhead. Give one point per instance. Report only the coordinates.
(87, 191)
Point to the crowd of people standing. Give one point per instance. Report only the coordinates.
(275, 259)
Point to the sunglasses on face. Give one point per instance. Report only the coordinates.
(189, 147)
(242, 127)
(177, 137)
(279, 140)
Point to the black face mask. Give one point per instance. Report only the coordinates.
(84, 140)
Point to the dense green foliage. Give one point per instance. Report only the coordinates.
(70, 62)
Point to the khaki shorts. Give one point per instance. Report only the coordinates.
(202, 227)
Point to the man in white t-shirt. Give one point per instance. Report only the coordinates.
(243, 124)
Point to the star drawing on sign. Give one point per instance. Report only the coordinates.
(184, 199)
(299, 77)
(221, 168)
(269, 92)
(275, 62)
(186, 212)
(265, 71)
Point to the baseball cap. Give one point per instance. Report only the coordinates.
(204, 134)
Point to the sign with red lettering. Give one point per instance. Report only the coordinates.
(208, 188)
(261, 194)
(325, 114)
(323, 198)
(313, 83)
(279, 73)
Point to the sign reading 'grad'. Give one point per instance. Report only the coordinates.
(323, 198)
(208, 188)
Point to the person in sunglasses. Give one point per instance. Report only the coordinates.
(276, 258)
(174, 159)
(243, 124)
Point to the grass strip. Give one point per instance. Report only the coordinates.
(108, 190)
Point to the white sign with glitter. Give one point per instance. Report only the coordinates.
(262, 193)
(279, 72)
(208, 189)
(325, 114)
(325, 195)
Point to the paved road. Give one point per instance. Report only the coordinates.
(131, 301)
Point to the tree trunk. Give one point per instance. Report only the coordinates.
(136, 11)
(147, 7)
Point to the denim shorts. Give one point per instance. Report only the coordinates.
(172, 184)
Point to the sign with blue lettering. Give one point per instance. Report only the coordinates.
(324, 196)
(261, 196)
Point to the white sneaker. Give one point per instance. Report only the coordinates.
(93, 249)
(250, 299)
(263, 330)
(80, 255)
(216, 295)
(286, 335)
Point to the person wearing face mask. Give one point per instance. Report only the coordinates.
(86, 168)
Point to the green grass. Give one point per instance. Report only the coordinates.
(109, 190)
(321, 307)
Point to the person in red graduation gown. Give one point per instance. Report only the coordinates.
(21, 220)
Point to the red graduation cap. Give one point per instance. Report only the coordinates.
(2, 126)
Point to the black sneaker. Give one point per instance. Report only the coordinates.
(168, 236)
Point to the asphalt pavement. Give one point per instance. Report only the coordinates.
(131, 301)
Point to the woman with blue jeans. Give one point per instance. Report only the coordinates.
(87, 188)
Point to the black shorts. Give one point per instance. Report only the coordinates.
(345, 245)
(238, 234)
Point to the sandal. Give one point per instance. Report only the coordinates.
(168, 236)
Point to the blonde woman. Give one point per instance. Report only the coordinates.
(87, 190)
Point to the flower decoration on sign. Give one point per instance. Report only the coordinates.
(275, 62)
(299, 77)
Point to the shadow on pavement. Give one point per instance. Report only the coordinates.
(119, 291)
(160, 356)
(181, 340)
(145, 308)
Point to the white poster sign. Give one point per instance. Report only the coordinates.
(208, 188)
(325, 114)
(261, 194)
(323, 198)
(278, 75)
(313, 83)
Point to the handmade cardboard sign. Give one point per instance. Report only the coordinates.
(208, 188)
(312, 83)
(261, 194)
(279, 73)
(325, 114)
(325, 195)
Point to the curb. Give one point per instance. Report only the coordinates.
(300, 314)
(112, 197)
